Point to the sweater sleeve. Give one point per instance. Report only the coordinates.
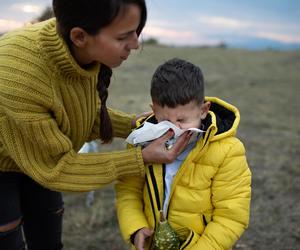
(41, 151)
(231, 193)
(32, 141)
(121, 123)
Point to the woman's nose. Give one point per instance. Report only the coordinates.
(134, 43)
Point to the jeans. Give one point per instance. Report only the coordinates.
(40, 210)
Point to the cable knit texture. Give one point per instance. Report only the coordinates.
(49, 108)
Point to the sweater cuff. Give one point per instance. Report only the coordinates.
(125, 160)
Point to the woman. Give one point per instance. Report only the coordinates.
(50, 76)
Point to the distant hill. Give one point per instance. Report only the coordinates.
(235, 42)
(262, 44)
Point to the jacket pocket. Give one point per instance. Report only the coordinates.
(190, 241)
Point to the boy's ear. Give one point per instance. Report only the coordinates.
(152, 107)
(79, 37)
(204, 109)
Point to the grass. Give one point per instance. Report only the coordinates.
(264, 85)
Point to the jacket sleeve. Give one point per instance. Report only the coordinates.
(129, 194)
(231, 194)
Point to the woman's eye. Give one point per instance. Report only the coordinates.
(122, 38)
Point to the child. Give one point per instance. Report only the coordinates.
(205, 193)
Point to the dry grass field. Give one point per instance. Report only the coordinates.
(265, 86)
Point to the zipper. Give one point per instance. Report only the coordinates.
(156, 199)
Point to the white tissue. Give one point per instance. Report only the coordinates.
(150, 131)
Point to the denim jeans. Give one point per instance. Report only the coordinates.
(40, 210)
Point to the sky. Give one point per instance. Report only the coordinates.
(237, 23)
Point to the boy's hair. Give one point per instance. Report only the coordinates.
(177, 82)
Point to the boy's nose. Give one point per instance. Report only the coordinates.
(178, 124)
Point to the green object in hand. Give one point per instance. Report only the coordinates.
(165, 238)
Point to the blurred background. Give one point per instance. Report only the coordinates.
(256, 24)
(249, 52)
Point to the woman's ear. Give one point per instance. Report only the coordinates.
(79, 37)
(204, 109)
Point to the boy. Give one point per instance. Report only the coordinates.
(205, 193)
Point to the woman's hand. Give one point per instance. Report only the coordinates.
(156, 151)
(144, 114)
(140, 238)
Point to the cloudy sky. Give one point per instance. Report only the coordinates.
(195, 22)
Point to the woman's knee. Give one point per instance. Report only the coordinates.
(11, 226)
(11, 236)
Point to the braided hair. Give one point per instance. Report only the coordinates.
(106, 130)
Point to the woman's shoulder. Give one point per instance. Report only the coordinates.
(26, 42)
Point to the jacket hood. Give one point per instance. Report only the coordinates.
(222, 119)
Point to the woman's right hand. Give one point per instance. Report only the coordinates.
(156, 151)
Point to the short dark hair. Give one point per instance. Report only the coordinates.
(177, 82)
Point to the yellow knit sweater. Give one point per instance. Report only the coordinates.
(48, 109)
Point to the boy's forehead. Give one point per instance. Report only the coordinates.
(183, 109)
(178, 106)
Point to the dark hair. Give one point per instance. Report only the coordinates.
(92, 16)
(177, 82)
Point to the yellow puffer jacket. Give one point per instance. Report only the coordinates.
(210, 195)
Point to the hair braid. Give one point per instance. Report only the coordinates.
(106, 130)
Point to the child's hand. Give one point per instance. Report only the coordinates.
(141, 236)
(157, 152)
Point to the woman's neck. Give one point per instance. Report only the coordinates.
(80, 57)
